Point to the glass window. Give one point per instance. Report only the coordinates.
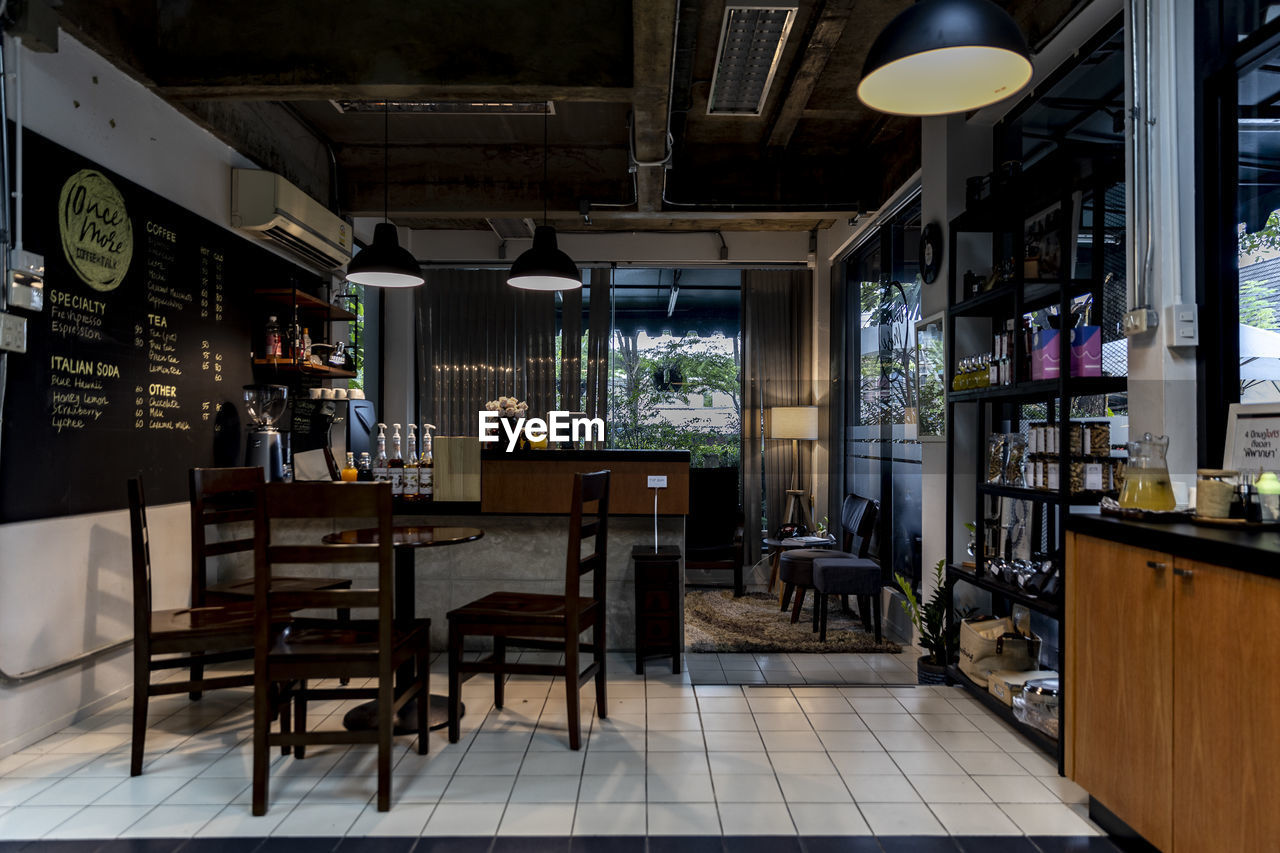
(1258, 231)
(676, 362)
(882, 453)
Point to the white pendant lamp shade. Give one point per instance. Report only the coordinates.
(544, 266)
(945, 56)
(384, 263)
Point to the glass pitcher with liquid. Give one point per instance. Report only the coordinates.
(1146, 479)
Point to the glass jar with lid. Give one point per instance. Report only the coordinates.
(1214, 490)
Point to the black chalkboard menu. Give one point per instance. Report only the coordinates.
(137, 362)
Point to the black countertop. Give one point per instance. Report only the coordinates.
(495, 454)
(1247, 551)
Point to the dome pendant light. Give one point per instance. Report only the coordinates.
(945, 56)
(544, 266)
(384, 263)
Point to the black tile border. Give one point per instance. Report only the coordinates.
(582, 844)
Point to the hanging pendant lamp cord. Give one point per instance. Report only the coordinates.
(386, 146)
(546, 109)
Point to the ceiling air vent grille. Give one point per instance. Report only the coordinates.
(751, 41)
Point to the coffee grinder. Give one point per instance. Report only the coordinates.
(264, 447)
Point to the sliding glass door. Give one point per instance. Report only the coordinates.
(881, 458)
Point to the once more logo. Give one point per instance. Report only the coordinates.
(97, 236)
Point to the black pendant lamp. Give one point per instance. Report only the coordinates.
(945, 56)
(544, 266)
(384, 263)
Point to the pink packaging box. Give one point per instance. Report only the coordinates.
(1044, 354)
(1086, 351)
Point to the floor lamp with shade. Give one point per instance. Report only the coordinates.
(798, 423)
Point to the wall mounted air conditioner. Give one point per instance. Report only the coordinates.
(274, 209)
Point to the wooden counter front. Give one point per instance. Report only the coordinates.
(542, 482)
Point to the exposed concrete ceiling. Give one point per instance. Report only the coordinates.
(261, 76)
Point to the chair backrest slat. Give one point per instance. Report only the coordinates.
(587, 489)
(228, 546)
(330, 599)
(369, 505)
(218, 496)
(281, 554)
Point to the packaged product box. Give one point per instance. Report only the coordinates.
(1044, 354)
(1086, 351)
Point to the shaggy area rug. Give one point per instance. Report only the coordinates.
(715, 621)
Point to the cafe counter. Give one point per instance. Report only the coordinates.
(1169, 668)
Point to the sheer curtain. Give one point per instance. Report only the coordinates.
(599, 327)
(777, 323)
(479, 339)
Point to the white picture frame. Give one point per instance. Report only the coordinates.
(1253, 438)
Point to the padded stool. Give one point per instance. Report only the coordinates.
(795, 570)
(846, 575)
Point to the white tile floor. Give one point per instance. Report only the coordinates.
(671, 758)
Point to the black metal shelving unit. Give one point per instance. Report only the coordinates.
(974, 412)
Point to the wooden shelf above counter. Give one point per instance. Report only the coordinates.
(303, 301)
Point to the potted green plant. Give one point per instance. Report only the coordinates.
(937, 637)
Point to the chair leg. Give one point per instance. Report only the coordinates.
(455, 684)
(597, 642)
(844, 604)
(819, 601)
(197, 674)
(737, 581)
(787, 591)
(386, 719)
(795, 608)
(344, 620)
(282, 699)
(261, 726)
(424, 701)
(141, 689)
(822, 618)
(864, 611)
(572, 696)
(499, 677)
(300, 718)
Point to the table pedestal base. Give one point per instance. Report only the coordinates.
(365, 717)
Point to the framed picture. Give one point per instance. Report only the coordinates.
(929, 410)
(1253, 438)
(1042, 234)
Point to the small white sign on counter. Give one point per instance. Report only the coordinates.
(1253, 438)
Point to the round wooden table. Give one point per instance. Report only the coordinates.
(406, 541)
(777, 546)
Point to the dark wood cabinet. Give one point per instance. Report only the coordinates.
(1171, 709)
(659, 601)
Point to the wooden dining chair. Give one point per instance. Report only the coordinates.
(221, 496)
(361, 649)
(556, 622)
(218, 633)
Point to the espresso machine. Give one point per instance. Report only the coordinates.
(265, 446)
